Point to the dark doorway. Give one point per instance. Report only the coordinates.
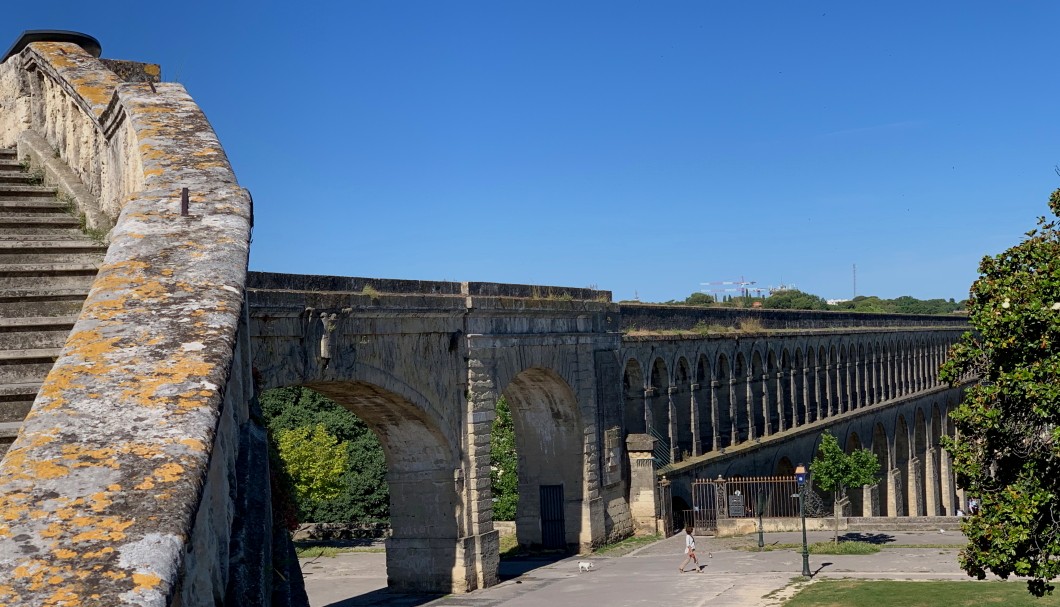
(553, 534)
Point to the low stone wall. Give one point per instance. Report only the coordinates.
(731, 527)
(650, 317)
(126, 482)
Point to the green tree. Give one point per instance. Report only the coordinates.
(794, 300)
(835, 471)
(1008, 453)
(365, 495)
(315, 460)
(504, 464)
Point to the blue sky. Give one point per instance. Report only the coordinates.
(638, 147)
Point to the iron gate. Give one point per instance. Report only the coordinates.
(553, 532)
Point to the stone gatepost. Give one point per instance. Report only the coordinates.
(643, 506)
(721, 497)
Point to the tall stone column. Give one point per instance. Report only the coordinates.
(829, 397)
(781, 402)
(915, 499)
(752, 432)
(851, 375)
(806, 396)
(643, 506)
(694, 414)
(649, 418)
(767, 426)
(671, 425)
(931, 480)
(715, 431)
(868, 503)
(479, 550)
(949, 492)
(733, 403)
(819, 393)
(894, 482)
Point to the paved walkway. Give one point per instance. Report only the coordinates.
(649, 577)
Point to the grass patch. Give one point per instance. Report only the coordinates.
(820, 548)
(312, 552)
(510, 546)
(370, 291)
(627, 545)
(860, 593)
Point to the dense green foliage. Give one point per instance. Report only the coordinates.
(833, 470)
(365, 494)
(794, 300)
(315, 460)
(900, 305)
(504, 465)
(1008, 454)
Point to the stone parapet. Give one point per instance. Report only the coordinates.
(120, 483)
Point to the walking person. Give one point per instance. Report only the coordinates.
(690, 551)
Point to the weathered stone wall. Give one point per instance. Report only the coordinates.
(653, 317)
(120, 486)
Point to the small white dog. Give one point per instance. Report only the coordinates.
(584, 566)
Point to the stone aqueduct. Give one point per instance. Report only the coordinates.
(140, 476)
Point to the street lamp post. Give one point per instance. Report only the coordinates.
(800, 478)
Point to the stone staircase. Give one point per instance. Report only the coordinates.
(46, 268)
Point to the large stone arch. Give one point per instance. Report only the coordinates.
(426, 510)
(549, 429)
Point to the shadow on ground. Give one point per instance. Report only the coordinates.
(870, 538)
(514, 566)
(385, 597)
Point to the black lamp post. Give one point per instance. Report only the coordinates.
(800, 478)
(761, 503)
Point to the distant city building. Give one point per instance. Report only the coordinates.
(833, 302)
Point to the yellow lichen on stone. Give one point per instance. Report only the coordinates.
(63, 553)
(145, 581)
(106, 528)
(47, 469)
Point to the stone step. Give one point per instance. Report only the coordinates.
(8, 153)
(47, 276)
(39, 220)
(26, 366)
(13, 192)
(64, 235)
(35, 332)
(9, 429)
(16, 400)
(16, 176)
(23, 303)
(27, 206)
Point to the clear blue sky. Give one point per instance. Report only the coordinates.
(640, 147)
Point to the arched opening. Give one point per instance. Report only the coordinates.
(856, 495)
(548, 430)
(921, 454)
(881, 450)
(813, 387)
(774, 395)
(682, 398)
(936, 455)
(862, 392)
(742, 420)
(424, 504)
(723, 404)
(705, 405)
(660, 402)
(824, 378)
(759, 404)
(903, 495)
(633, 391)
(787, 393)
(799, 399)
(835, 399)
(784, 467)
